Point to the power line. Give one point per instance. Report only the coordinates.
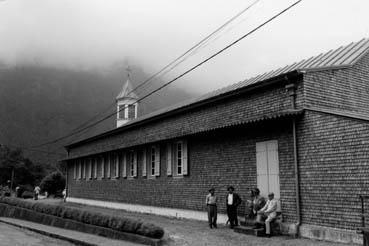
(195, 47)
(183, 74)
(175, 62)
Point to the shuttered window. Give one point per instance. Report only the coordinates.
(155, 161)
(144, 163)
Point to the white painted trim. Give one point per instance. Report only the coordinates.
(169, 212)
(330, 234)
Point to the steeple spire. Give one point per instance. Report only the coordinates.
(126, 102)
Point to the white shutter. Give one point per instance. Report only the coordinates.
(108, 171)
(134, 163)
(184, 158)
(84, 169)
(95, 167)
(169, 159)
(157, 160)
(144, 163)
(262, 168)
(102, 159)
(273, 168)
(89, 168)
(75, 169)
(124, 164)
(116, 165)
(79, 169)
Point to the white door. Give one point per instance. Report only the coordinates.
(267, 168)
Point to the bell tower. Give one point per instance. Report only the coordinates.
(126, 102)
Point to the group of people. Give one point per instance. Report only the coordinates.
(260, 209)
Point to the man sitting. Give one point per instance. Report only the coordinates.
(257, 203)
(268, 213)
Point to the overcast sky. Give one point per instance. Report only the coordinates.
(98, 33)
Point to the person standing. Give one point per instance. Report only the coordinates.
(211, 204)
(232, 202)
(37, 192)
(268, 212)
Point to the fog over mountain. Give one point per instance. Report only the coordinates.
(39, 103)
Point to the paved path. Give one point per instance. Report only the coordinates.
(67, 235)
(14, 236)
(182, 232)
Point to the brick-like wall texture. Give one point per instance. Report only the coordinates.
(231, 111)
(334, 150)
(334, 169)
(216, 159)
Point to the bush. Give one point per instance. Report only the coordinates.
(27, 194)
(53, 183)
(97, 219)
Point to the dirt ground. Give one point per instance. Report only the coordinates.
(182, 232)
(14, 236)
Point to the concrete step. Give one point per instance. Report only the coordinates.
(248, 230)
(247, 222)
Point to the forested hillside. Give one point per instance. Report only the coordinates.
(38, 104)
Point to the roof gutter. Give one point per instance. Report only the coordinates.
(268, 82)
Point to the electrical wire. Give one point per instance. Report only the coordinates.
(181, 75)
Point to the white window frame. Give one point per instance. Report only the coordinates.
(144, 163)
(79, 169)
(154, 161)
(74, 169)
(108, 169)
(102, 161)
(116, 163)
(95, 162)
(183, 159)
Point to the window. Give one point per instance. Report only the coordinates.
(124, 164)
(89, 168)
(116, 164)
(180, 158)
(95, 161)
(131, 111)
(84, 169)
(152, 167)
(79, 169)
(102, 162)
(75, 169)
(108, 167)
(132, 161)
(144, 163)
(121, 111)
(155, 161)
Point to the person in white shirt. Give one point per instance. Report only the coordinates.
(211, 203)
(268, 212)
(233, 200)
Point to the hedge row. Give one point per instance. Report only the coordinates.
(97, 219)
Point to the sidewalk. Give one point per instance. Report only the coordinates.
(182, 232)
(74, 237)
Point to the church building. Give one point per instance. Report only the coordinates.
(301, 131)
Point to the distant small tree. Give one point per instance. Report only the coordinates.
(53, 183)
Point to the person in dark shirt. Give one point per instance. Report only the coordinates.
(233, 200)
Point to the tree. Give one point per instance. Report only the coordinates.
(10, 160)
(53, 183)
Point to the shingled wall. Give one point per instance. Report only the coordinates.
(216, 159)
(333, 149)
(235, 110)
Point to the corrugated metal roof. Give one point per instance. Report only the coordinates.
(344, 56)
